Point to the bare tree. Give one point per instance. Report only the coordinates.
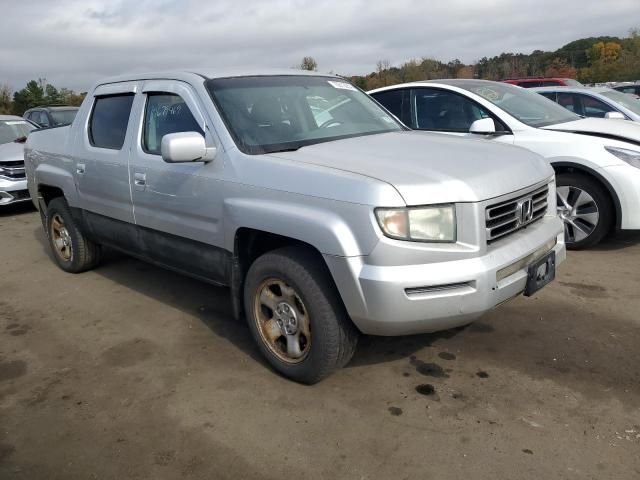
(5, 99)
(309, 63)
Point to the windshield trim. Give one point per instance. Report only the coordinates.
(570, 116)
(295, 145)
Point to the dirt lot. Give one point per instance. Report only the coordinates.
(132, 372)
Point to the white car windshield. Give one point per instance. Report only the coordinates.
(629, 101)
(12, 130)
(267, 114)
(528, 107)
(64, 117)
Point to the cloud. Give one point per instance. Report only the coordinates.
(72, 43)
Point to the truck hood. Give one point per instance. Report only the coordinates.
(623, 130)
(11, 151)
(429, 168)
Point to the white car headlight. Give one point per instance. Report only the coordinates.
(632, 157)
(419, 224)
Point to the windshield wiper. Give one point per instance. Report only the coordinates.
(288, 149)
(21, 139)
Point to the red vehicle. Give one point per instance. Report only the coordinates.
(531, 82)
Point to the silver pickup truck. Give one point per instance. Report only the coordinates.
(320, 211)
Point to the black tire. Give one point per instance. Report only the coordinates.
(333, 337)
(79, 254)
(602, 203)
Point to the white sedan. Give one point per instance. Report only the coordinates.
(597, 161)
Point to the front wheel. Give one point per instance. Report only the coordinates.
(296, 316)
(585, 208)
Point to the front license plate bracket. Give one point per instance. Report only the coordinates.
(540, 273)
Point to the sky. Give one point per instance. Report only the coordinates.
(73, 43)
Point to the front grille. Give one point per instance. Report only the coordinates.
(13, 170)
(506, 217)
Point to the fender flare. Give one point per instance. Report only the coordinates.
(324, 230)
(53, 176)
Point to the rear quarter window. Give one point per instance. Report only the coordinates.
(109, 121)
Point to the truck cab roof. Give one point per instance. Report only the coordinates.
(197, 74)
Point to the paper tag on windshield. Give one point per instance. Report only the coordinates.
(16, 122)
(342, 85)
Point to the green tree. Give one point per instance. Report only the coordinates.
(51, 95)
(30, 96)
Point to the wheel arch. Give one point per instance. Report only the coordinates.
(251, 243)
(570, 167)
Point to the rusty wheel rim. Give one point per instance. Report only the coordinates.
(282, 320)
(61, 238)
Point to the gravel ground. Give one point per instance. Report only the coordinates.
(132, 372)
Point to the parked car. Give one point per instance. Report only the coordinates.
(634, 88)
(594, 102)
(51, 115)
(321, 228)
(13, 182)
(597, 161)
(532, 82)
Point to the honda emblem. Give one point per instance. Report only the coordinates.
(524, 211)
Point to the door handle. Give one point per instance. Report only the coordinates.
(140, 180)
(80, 168)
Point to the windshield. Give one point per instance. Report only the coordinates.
(10, 130)
(526, 106)
(570, 82)
(629, 101)
(277, 113)
(63, 117)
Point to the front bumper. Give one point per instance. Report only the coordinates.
(625, 181)
(13, 191)
(408, 299)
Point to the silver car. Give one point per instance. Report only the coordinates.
(13, 182)
(594, 102)
(324, 215)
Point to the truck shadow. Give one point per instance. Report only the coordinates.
(16, 209)
(212, 306)
(561, 339)
(618, 241)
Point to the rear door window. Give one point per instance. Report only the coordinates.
(109, 120)
(570, 102)
(393, 100)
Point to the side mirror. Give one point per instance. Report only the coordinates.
(484, 126)
(615, 115)
(185, 147)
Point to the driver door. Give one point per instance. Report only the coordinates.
(443, 111)
(177, 206)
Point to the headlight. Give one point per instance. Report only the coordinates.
(419, 224)
(632, 157)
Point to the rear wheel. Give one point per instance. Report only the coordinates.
(72, 250)
(585, 208)
(296, 316)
